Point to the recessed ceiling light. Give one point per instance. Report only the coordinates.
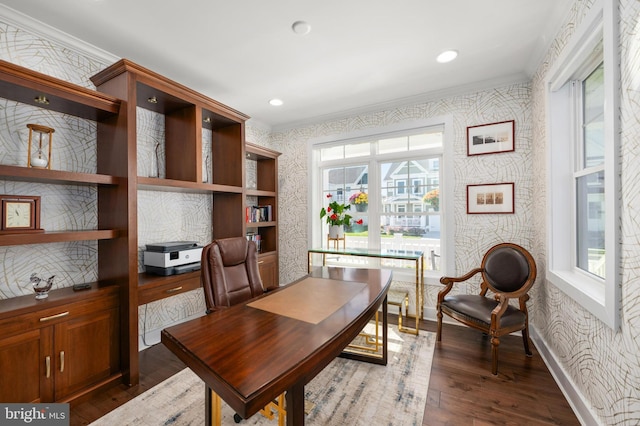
(276, 102)
(447, 56)
(301, 28)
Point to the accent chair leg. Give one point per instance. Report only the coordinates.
(439, 331)
(525, 340)
(495, 342)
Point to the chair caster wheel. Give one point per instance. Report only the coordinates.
(237, 418)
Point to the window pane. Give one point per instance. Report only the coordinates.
(408, 221)
(411, 232)
(593, 113)
(333, 153)
(590, 223)
(348, 186)
(425, 140)
(386, 146)
(357, 150)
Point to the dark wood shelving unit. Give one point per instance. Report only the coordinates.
(186, 113)
(101, 324)
(266, 192)
(84, 326)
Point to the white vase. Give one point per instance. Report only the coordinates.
(336, 231)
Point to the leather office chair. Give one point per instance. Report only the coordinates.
(508, 271)
(229, 274)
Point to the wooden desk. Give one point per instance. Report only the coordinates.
(250, 353)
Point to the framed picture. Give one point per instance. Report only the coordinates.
(491, 138)
(490, 198)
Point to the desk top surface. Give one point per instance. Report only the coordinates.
(250, 353)
(381, 253)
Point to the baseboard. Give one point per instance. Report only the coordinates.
(576, 399)
(152, 337)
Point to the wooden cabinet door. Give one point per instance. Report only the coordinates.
(86, 351)
(268, 271)
(23, 361)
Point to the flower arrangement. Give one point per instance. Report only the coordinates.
(359, 198)
(432, 197)
(335, 213)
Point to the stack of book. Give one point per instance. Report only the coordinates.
(257, 238)
(259, 214)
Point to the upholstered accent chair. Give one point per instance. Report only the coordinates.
(507, 271)
(229, 273)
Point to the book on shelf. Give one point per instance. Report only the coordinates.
(257, 238)
(259, 214)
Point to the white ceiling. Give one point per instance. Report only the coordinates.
(360, 54)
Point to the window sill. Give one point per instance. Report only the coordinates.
(587, 291)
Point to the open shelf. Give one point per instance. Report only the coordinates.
(56, 237)
(26, 86)
(173, 185)
(28, 174)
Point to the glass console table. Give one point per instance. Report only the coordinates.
(409, 255)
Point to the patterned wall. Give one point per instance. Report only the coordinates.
(602, 364)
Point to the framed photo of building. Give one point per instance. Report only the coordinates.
(490, 198)
(491, 138)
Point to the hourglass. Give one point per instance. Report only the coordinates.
(36, 155)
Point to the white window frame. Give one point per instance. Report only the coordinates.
(447, 224)
(599, 296)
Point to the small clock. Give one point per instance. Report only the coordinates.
(20, 213)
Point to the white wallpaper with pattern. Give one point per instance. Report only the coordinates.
(603, 365)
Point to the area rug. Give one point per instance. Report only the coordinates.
(346, 392)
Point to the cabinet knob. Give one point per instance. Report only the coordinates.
(62, 361)
(173, 290)
(47, 362)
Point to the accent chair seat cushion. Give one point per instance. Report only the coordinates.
(477, 309)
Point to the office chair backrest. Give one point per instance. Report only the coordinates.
(229, 272)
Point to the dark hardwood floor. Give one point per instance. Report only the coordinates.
(462, 390)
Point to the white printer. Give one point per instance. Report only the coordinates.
(172, 258)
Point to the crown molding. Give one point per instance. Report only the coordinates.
(464, 89)
(47, 32)
(549, 33)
